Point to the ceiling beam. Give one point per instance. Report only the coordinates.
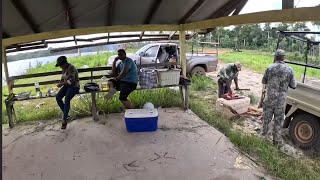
(141, 35)
(171, 34)
(110, 12)
(287, 15)
(226, 9)
(239, 7)
(67, 8)
(25, 15)
(106, 43)
(192, 11)
(152, 10)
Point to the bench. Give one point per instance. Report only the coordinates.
(184, 90)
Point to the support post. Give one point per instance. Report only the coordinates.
(183, 60)
(6, 71)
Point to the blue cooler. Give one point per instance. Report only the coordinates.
(141, 120)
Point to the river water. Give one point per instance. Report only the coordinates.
(20, 67)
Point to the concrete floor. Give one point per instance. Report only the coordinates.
(184, 147)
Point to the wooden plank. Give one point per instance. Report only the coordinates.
(287, 15)
(84, 31)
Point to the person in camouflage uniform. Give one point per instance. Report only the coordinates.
(228, 73)
(277, 78)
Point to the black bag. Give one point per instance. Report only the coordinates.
(91, 87)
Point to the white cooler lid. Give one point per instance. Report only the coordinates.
(141, 113)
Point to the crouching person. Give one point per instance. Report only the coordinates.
(125, 78)
(69, 85)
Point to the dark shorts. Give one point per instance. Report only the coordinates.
(223, 88)
(125, 88)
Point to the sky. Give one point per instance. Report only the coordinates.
(251, 7)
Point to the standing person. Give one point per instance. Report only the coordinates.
(69, 85)
(228, 73)
(126, 78)
(277, 78)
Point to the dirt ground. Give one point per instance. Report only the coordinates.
(184, 147)
(253, 124)
(247, 80)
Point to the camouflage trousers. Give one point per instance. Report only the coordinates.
(277, 114)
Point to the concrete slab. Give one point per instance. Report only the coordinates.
(184, 147)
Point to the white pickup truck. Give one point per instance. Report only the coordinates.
(303, 115)
(197, 64)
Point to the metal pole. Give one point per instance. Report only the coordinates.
(305, 68)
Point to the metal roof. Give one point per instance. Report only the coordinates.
(25, 17)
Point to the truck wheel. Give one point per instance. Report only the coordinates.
(304, 131)
(198, 71)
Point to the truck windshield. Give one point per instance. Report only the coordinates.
(143, 49)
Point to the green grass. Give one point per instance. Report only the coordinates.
(201, 83)
(259, 61)
(81, 105)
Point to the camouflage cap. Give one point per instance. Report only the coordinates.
(279, 52)
(238, 65)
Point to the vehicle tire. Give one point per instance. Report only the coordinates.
(198, 71)
(304, 131)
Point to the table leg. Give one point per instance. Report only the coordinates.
(94, 106)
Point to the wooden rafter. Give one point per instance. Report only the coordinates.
(226, 9)
(239, 7)
(25, 15)
(110, 12)
(153, 9)
(234, 5)
(192, 11)
(171, 34)
(69, 17)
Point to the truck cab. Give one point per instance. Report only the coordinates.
(163, 52)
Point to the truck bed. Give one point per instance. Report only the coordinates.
(306, 97)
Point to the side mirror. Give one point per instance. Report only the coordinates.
(141, 54)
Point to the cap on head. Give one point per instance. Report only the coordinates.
(279, 52)
(61, 61)
(238, 65)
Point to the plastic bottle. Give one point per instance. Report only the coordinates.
(38, 92)
(104, 83)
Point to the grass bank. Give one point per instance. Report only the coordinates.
(202, 100)
(259, 61)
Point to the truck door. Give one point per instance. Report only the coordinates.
(150, 55)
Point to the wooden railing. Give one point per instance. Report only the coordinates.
(12, 79)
